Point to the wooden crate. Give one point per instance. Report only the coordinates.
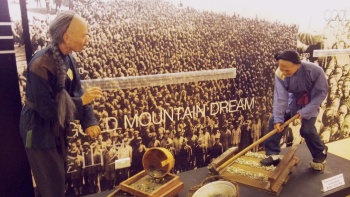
(224, 156)
(169, 189)
(276, 178)
(117, 192)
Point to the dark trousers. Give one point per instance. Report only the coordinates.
(48, 169)
(307, 131)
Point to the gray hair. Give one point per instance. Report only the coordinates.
(65, 105)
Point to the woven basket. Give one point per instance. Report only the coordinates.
(210, 179)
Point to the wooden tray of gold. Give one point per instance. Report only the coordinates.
(143, 185)
(247, 170)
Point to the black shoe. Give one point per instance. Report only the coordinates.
(269, 161)
(322, 156)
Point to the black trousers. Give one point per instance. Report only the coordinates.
(307, 131)
(48, 168)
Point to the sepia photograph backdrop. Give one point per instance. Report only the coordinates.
(137, 52)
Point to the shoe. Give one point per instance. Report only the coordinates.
(322, 156)
(318, 166)
(270, 161)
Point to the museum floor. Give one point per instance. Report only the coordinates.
(303, 182)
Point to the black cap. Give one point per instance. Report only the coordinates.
(289, 55)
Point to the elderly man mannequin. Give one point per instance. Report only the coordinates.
(54, 97)
(300, 88)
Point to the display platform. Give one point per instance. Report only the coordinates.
(303, 182)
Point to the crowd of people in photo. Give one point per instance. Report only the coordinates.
(336, 115)
(334, 118)
(145, 37)
(54, 6)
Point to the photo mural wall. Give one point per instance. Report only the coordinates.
(137, 50)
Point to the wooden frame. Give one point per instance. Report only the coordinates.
(276, 179)
(169, 189)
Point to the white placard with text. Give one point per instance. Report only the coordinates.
(333, 182)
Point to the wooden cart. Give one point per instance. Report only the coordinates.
(147, 184)
(276, 178)
(169, 189)
(226, 165)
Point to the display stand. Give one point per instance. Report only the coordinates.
(302, 182)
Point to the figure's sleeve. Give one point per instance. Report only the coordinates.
(317, 95)
(280, 101)
(84, 113)
(39, 92)
(87, 116)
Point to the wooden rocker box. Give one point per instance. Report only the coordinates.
(169, 189)
(276, 178)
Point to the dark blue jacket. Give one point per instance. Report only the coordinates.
(39, 115)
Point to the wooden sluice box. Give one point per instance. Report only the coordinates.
(155, 180)
(247, 170)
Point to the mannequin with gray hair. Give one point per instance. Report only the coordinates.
(66, 107)
(54, 98)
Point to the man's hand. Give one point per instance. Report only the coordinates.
(90, 94)
(93, 131)
(300, 118)
(278, 127)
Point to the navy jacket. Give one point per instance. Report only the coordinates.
(39, 115)
(308, 80)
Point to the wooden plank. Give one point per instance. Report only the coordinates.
(284, 162)
(134, 178)
(251, 169)
(117, 189)
(169, 193)
(246, 180)
(167, 187)
(174, 191)
(284, 176)
(126, 185)
(170, 188)
(251, 146)
(296, 161)
(276, 178)
(224, 157)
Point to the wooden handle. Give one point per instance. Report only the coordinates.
(164, 162)
(259, 141)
